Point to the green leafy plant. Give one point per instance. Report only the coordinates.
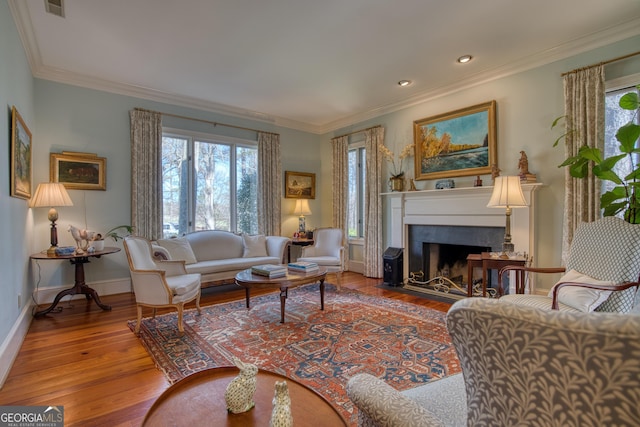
(114, 233)
(624, 196)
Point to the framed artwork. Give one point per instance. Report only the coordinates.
(299, 185)
(20, 157)
(78, 171)
(458, 143)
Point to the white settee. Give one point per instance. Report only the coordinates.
(219, 255)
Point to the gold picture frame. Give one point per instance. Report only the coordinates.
(457, 143)
(21, 148)
(78, 171)
(299, 185)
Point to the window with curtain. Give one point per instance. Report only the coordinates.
(614, 118)
(357, 187)
(209, 182)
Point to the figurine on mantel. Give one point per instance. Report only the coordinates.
(523, 166)
(477, 182)
(495, 172)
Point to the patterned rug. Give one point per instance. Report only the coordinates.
(404, 344)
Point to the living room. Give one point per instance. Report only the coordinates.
(67, 116)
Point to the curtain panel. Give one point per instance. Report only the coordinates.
(146, 173)
(584, 105)
(269, 184)
(373, 204)
(340, 181)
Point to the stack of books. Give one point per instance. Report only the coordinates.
(303, 266)
(269, 270)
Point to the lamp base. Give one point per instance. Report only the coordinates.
(507, 247)
(51, 252)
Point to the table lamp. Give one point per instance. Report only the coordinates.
(302, 209)
(51, 194)
(507, 193)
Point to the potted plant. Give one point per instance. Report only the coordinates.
(98, 240)
(624, 196)
(396, 181)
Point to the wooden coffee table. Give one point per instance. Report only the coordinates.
(199, 400)
(249, 281)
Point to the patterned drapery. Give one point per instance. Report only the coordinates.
(584, 93)
(373, 204)
(146, 173)
(269, 183)
(340, 157)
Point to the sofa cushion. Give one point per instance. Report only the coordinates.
(254, 246)
(215, 245)
(179, 249)
(582, 299)
(233, 264)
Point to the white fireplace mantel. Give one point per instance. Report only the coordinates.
(460, 206)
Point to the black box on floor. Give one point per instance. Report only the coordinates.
(392, 267)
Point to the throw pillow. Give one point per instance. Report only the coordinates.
(179, 249)
(254, 246)
(582, 299)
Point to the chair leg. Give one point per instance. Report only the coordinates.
(180, 325)
(339, 280)
(198, 303)
(137, 329)
(154, 312)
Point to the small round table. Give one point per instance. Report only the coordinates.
(199, 400)
(80, 287)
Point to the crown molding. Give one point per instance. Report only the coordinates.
(22, 19)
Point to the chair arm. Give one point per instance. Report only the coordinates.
(150, 287)
(613, 288)
(277, 246)
(381, 405)
(172, 268)
(522, 269)
(159, 253)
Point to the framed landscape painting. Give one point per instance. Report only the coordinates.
(20, 157)
(78, 171)
(458, 143)
(299, 185)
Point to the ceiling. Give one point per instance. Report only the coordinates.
(311, 65)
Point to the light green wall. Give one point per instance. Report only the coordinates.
(527, 104)
(78, 119)
(16, 89)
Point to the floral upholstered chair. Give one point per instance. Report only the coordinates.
(521, 366)
(602, 271)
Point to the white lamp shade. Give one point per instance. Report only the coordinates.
(50, 194)
(302, 207)
(507, 192)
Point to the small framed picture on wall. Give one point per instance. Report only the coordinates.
(78, 171)
(299, 185)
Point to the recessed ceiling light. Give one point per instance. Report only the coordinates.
(404, 83)
(464, 59)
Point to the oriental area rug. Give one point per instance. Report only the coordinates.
(404, 344)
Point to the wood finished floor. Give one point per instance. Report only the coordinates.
(88, 360)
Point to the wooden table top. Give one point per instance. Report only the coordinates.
(199, 400)
(290, 280)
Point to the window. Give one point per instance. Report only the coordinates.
(208, 183)
(614, 118)
(355, 213)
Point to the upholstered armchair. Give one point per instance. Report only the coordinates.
(602, 271)
(159, 283)
(521, 366)
(327, 250)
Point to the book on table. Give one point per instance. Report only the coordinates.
(304, 266)
(269, 270)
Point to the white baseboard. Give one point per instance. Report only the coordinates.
(46, 295)
(11, 345)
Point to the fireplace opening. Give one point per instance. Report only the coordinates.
(437, 256)
(450, 261)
